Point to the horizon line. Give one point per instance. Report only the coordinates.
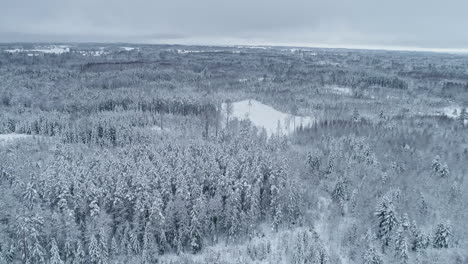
(460, 51)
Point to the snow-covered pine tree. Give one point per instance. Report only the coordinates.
(443, 236)
(444, 171)
(93, 250)
(372, 257)
(79, 256)
(401, 245)
(436, 165)
(103, 248)
(37, 252)
(387, 220)
(196, 224)
(419, 240)
(233, 210)
(54, 253)
(463, 115)
(114, 248)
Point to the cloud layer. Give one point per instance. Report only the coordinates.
(415, 23)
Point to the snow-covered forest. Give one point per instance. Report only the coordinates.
(189, 154)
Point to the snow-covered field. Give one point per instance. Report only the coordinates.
(452, 111)
(206, 51)
(340, 90)
(264, 116)
(52, 49)
(12, 137)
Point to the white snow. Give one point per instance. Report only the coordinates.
(94, 53)
(188, 51)
(157, 129)
(13, 50)
(53, 49)
(341, 90)
(128, 48)
(452, 111)
(264, 116)
(9, 138)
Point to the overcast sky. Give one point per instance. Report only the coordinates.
(384, 23)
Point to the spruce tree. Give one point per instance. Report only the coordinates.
(103, 249)
(387, 220)
(93, 250)
(401, 245)
(443, 236)
(54, 253)
(79, 256)
(372, 257)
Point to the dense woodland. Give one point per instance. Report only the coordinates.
(126, 156)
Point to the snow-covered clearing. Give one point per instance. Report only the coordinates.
(452, 111)
(264, 116)
(13, 137)
(53, 49)
(340, 90)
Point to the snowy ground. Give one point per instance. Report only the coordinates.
(452, 111)
(13, 137)
(264, 116)
(53, 49)
(340, 90)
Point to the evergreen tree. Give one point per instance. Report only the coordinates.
(54, 253)
(356, 115)
(463, 115)
(103, 249)
(93, 250)
(387, 220)
(444, 171)
(79, 256)
(443, 236)
(372, 257)
(401, 245)
(196, 224)
(436, 165)
(114, 248)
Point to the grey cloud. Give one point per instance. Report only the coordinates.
(416, 23)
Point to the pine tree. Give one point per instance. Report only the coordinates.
(463, 115)
(372, 257)
(355, 115)
(150, 249)
(233, 212)
(436, 165)
(134, 243)
(387, 220)
(401, 245)
(196, 224)
(37, 252)
(114, 248)
(444, 171)
(103, 249)
(93, 250)
(443, 236)
(80, 256)
(54, 253)
(2, 258)
(30, 195)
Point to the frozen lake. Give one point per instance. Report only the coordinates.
(265, 116)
